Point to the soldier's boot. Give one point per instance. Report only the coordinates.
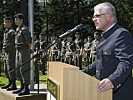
(7, 85)
(25, 91)
(19, 90)
(43, 70)
(12, 87)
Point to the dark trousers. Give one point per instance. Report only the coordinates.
(23, 73)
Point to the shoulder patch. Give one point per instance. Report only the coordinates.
(23, 28)
(11, 30)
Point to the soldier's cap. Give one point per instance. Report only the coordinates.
(42, 34)
(19, 15)
(77, 33)
(7, 19)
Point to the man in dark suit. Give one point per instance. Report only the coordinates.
(113, 66)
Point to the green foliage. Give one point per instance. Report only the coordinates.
(38, 17)
(58, 16)
(7, 8)
(63, 16)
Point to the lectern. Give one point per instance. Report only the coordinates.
(67, 82)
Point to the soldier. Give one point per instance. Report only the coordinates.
(55, 49)
(9, 48)
(23, 47)
(93, 47)
(36, 60)
(70, 49)
(1, 39)
(79, 48)
(1, 45)
(63, 49)
(86, 49)
(40, 62)
(43, 56)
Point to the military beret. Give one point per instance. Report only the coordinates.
(7, 19)
(19, 15)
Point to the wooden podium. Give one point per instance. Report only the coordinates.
(67, 82)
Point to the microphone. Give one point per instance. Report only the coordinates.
(72, 31)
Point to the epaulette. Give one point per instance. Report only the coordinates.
(23, 28)
(17, 29)
(11, 30)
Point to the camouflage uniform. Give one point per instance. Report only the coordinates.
(69, 55)
(86, 52)
(43, 45)
(78, 53)
(0, 52)
(55, 51)
(36, 60)
(63, 50)
(93, 47)
(93, 51)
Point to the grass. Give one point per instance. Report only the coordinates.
(132, 72)
(4, 80)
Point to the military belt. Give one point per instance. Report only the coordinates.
(69, 53)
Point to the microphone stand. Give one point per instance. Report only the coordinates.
(36, 56)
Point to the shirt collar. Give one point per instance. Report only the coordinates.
(109, 28)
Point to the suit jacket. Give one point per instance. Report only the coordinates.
(115, 61)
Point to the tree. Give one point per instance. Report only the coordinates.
(66, 14)
(38, 17)
(58, 16)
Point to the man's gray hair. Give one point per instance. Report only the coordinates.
(107, 8)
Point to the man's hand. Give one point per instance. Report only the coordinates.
(105, 85)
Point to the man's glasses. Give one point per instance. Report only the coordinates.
(98, 15)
